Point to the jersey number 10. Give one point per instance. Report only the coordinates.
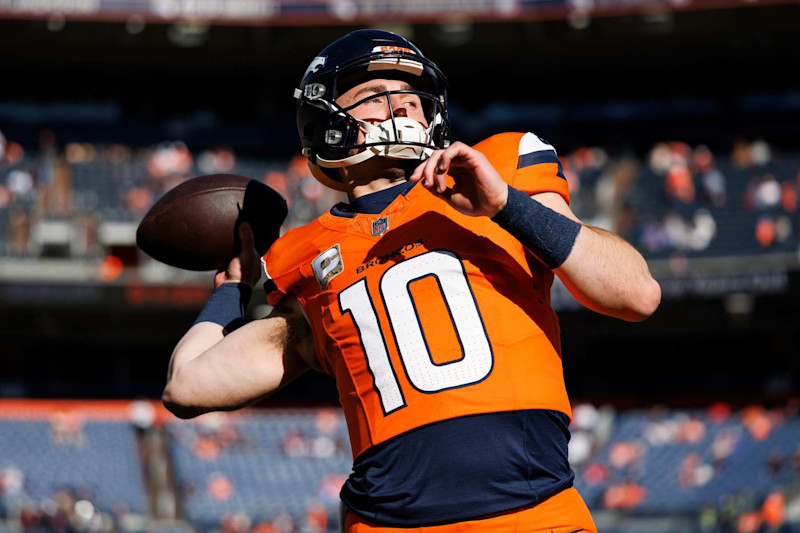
(423, 373)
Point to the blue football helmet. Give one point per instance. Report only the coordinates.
(328, 131)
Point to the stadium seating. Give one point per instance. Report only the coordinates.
(98, 462)
(268, 474)
(101, 181)
(255, 467)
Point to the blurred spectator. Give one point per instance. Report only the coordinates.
(235, 523)
(749, 523)
(585, 420)
(702, 159)
(219, 487)
(746, 155)
(783, 229)
(760, 152)
(718, 412)
(788, 196)
(695, 236)
(714, 187)
(623, 496)
(585, 416)
(284, 523)
(694, 472)
(66, 428)
(757, 421)
(678, 231)
(691, 430)
(216, 161)
(611, 190)
(774, 510)
(679, 184)
(712, 180)
(295, 444)
(703, 231)
(664, 156)
(110, 268)
(75, 153)
(316, 517)
(298, 167)
(708, 519)
(595, 473)
(724, 445)
(21, 186)
(13, 153)
(264, 527)
(139, 199)
(741, 154)
(327, 421)
(5, 197)
(143, 414)
(580, 447)
(330, 486)
(765, 231)
(169, 158)
(12, 482)
(767, 194)
(279, 181)
(312, 190)
(625, 454)
(206, 448)
(573, 180)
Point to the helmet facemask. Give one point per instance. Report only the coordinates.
(397, 137)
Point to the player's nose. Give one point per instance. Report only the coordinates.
(398, 106)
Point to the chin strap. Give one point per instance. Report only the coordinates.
(408, 130)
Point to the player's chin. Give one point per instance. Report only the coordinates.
(392, 169)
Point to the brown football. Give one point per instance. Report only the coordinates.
(194, 225)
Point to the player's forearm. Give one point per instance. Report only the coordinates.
(195, 342)
(240, 369)
(608, 275)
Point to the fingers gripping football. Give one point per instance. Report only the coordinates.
(245, 267)
(478, 189)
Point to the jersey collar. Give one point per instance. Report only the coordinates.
(373, 203)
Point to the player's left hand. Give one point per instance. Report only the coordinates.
(245, 267)
(478, 190)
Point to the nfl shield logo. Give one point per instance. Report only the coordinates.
(380, 226)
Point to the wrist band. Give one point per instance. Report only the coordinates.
(547, 234)
(226, 306)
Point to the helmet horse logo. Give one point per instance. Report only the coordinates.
(315, 65)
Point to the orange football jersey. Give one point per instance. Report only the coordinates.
(423, 314)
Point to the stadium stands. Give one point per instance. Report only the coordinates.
(92, 466)
(261, 465)
(700, 470)
(675, 200)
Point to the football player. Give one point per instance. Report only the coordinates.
(426, 297)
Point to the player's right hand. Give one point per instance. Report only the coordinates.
(479, 190)
(245, 267)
